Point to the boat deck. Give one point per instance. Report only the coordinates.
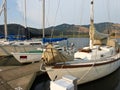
(81, 61)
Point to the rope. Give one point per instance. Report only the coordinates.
(86, 72)
(47, 20)
(42, 66)
(58, 72)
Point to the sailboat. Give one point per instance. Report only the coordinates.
(7, 46)
(35, 55)
(99, 59)
(4, 8)
(15, 41)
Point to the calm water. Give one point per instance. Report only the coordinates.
(110, 82)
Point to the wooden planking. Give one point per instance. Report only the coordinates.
(18, 76)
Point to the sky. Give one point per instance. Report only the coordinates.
(61, 11)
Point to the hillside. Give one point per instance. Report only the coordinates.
(64, 29)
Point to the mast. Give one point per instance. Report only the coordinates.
(43, 18)
(27, 34)
(5, 19)
(25, 20)
(92, 29)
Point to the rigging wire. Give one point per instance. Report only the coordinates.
(52, 31)
(47, 20)
(2, 7)
(82, 11)
(108, 15)
(108, 6)
(116, 6)
(62, 33)
(1, 10)
(108, 9)
(81, 19)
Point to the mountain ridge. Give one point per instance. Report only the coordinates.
(65, 29)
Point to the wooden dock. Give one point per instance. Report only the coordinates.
(18, 77)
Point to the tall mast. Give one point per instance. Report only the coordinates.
(43, 18)
(5, 19)
(25, 21)
(91, 30)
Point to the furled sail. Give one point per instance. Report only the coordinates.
(51, 55)
(97, 37)
(100, 36)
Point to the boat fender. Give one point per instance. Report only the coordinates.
(42, 67)
(117, 50)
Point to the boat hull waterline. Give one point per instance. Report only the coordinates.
(27, 57)
(85, 72)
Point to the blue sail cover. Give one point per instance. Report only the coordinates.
(13, 37)
(45, 40)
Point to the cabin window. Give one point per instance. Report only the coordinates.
(102, 55)
(112, 52)
(35, 43)
(99, 49)
(23, 57)
(21, 43)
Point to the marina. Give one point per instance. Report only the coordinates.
(33, 79)
(90, 62)
(28, 80)
(41, 61)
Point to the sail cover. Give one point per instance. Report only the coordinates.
(100, 36)
(51, 55)
(53, 39)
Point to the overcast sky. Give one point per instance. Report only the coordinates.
(62, 11)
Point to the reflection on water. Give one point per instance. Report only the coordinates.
(110, 82)
(41, 82)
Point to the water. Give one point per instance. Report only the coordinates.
(78, 42)
(110, 82)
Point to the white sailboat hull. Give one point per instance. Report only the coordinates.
(7, 49)
(85, 72)
(27, 57)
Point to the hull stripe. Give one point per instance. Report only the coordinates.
(85, 65)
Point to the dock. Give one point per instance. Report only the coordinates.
(18, 77)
